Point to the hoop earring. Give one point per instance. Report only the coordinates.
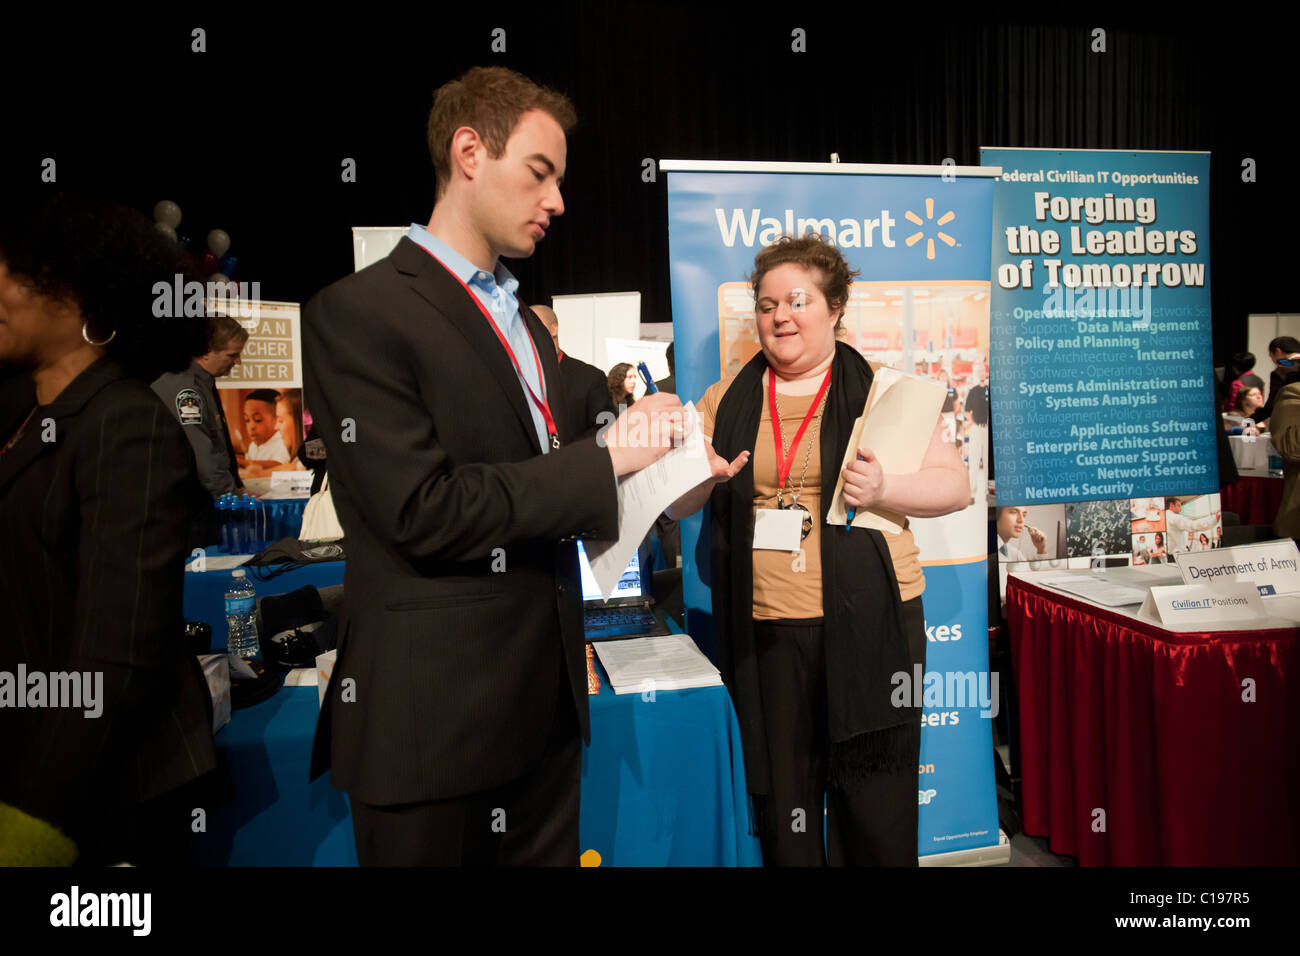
(85, 334)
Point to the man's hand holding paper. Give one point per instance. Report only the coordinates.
(647, 491)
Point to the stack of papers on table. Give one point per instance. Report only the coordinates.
(644, 664)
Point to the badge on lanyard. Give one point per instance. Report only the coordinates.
(784, 527)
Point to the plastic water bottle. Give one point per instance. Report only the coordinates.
(235, 533)
(241, 624)
(252, 529)
(225, 526)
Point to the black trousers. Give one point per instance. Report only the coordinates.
(871, 824)
(530, 821)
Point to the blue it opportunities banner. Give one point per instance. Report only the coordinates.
(921, 305)
(1103, 381)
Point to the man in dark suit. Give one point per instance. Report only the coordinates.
(669, 384)
(585, 393)
(456, 706)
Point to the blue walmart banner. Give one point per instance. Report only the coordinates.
(1102, 373)
(921, 303)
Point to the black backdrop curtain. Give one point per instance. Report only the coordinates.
(250, 136)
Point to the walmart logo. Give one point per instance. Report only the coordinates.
(917, 236)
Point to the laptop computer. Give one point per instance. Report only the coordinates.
(628, 613)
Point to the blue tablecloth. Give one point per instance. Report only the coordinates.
(663, 781)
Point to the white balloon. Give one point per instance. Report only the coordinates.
(218, 242)
(220, 279)
(167, 213)
(166, 230)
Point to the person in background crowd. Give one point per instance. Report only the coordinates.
(669, 384)
(264, 441)
(97, 490)
(313, 456)
(1247, 401)
(584, 385)
(1011, 525)
(1204, 542)
(1285, 353)
(1239, 373)
(1286, 439)
(665, 529)
(977, 408)
(622, 384)
(1182, 528)
(811, 624)
(192, 396)
(1141, 554)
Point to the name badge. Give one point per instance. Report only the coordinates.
(777, 529)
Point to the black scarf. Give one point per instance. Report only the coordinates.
(862, 611)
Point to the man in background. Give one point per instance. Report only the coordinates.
(669, 384)
(1285, 353)
(192, 397)
(584, 385)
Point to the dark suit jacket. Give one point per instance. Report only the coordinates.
(448, 670)
(91, 580)
(1278, 379)
(586, 395)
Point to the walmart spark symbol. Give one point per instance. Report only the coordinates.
(916, 237)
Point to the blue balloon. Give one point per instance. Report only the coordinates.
(228, 265)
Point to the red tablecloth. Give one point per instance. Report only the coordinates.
(1255, 500)
(1150, 727)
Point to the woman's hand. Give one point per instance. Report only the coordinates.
(864, 481)
(693, 500)
(722, 471)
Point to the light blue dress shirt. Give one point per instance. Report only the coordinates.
(497, 293)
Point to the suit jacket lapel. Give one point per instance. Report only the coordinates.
(440, 289)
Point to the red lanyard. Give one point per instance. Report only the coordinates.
(542, 405)
(782, 462)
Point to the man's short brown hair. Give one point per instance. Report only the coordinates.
(489, 100)
(810, 251)
(222, 330)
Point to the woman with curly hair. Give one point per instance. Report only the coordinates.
(621, 384)
(97, 491)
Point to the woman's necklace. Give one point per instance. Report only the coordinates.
(785, 452)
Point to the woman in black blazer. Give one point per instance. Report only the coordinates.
(97, 489)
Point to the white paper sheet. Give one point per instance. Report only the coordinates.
(1098, 589)
(643, 496)
(896, 426)
(645, 664)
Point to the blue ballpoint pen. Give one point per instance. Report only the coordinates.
(852, 511)
(645, 374)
